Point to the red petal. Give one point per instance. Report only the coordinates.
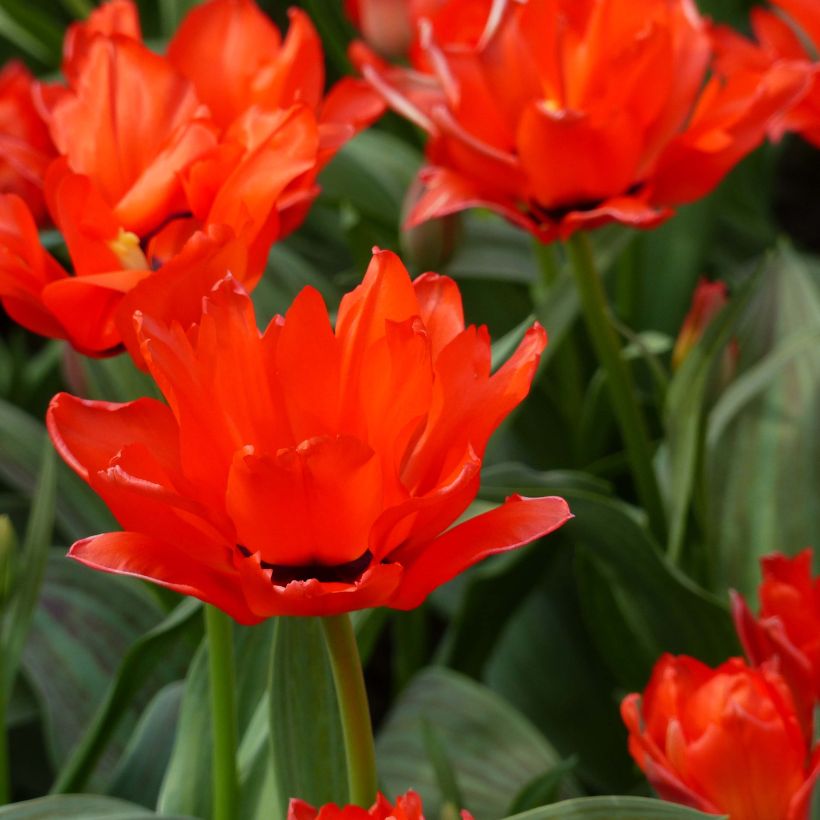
(516, 522)
(140, 556)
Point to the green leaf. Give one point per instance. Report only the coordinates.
(614, 808)
(304, 716)
(763, 438)
(140, 770)
(17, 618)
(544, 789)
(138, 665)
(685, 410)
(78, 807)
(31, 30)
(83, 626)
(493, 750)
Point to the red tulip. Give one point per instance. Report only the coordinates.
(568, 115)
(708, 300)
(787, 628)
(724, 741)
(25, 145)
(156, 159)
(407, 807)
(781, 39)
(304, 471)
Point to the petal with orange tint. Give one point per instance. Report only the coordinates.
(140, 556)
(516, 522)
(125, 110)
(293, 509)
(221, 46)
(307, 366)
(572, 160)
(88, 434)
(440, 308)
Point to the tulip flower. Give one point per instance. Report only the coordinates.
(568, 115)
(788, 626)
(724, 741)
(784, 36)
(208, 150)
(25, 145)
(306, 471)
(407, 807)
(708, 300)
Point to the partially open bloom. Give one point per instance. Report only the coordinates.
(406, 807)
(708, 300)
(303, 471)
(724, 741)
(25, 145)
(787, 630)
(215, 145)
(570, 114)
(788, 34)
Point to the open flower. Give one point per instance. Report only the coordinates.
(25, 145)
(213, 146)
(406, 807)
(724, 741)
(303, 471)
(783, 36)
(567, 115)
(787, 630)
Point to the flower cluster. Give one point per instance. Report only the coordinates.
(738, 739)
(171, 169)
(619, 110)
(406, 807)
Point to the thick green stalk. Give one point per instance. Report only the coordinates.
(355, 711)
(223, 715)
(619, 378)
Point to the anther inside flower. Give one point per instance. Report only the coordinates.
(307, 471)
(569, 113)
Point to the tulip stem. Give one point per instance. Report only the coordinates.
(353, 706)
(619, 378)
(223, 714)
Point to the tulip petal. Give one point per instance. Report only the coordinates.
(516, 522)
(144, 557)
(440, 308)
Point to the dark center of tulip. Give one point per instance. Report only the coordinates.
(347, 573)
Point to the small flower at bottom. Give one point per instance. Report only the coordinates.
(307, 471)
(406, 807)
(724, 741)
(788, 627)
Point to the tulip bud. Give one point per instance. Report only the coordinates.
(708, 300)
(430, 245)
(386, 25)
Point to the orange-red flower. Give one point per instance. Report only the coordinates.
(406, 807)
(303, 471)
(570, 114)
(213, 145)
(708, 300)
(788, 626)
(782, 38)
(725, 740)
(25, 145)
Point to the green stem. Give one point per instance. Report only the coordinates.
(619, 378)
(223, 715)
(352, 696)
